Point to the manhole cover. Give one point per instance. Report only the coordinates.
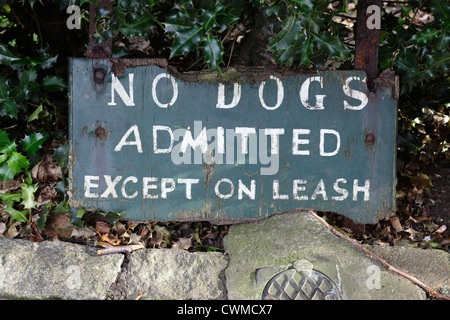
(301, 285)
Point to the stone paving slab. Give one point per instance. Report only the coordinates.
(432, 267)
(292, 246)
(54, 270)
(177, 274)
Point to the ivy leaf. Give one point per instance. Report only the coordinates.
(16, 215)
(332, 46)
(186, 40)
(53, 83)
(33, 142)
(17, 162)
(213, 52)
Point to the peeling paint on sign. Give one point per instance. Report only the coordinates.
(159, 146)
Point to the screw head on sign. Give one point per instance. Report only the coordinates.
(99, 75)
(370, 139)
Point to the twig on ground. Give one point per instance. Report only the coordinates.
(120, 249)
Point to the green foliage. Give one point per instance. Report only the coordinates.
(13, 162)
(22, 85)
(418, 51)
(28, 202)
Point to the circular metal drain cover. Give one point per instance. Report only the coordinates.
(301, 285)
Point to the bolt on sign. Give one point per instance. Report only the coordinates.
(160, 147)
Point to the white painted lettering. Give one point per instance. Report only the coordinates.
(137, 142)
(124, 186)
(221, 96)
(249, 192)
(110, 187)
(296, 141)
(116, 86)
(322, 142)
(304, 94)
(365, 189)
(355, 94)
(174, 86)
(280, 94)
(157, 128)
(88, 184)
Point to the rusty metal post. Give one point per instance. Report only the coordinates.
(98, 50)
(367, 38)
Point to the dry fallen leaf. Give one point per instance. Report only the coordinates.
(12, 230)
(441, 229)
(395, 222)
(9, 185)
(2, 227)
(182, 244)
(82, 232)
(421, 181)
(105, 238)
(45, 170)
(102, 227)
(414, 235)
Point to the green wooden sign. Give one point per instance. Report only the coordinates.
(159, 147)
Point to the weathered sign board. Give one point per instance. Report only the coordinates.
(157, 147)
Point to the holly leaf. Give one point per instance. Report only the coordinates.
(186, 40)
(213, 52)
(61, 155)
(8, 197)
(28, 191)
(305, 50)
(17, 162)
(33, 142)
(440, 9)
(286, 42)
(332, 46)
(136, 27)
(6, 173)
(35, 114)
(208, 18)
(16, 215)
(6, 57)
(7, 150)
(424, 37)
(3, 138)
(11, 108)
(288, 35)
(53, 83)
